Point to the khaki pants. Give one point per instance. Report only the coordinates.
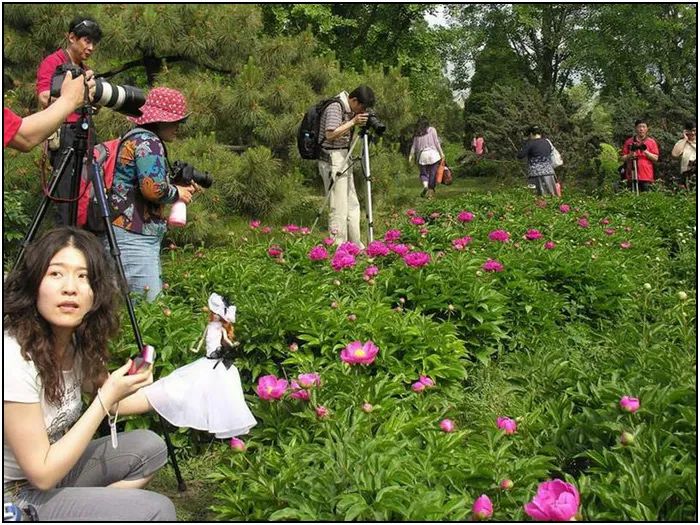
(344, 216)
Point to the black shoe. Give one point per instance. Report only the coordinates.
(422, 193)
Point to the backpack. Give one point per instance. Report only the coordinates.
(105, 162)
(309, 130)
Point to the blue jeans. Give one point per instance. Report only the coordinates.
(140, 255)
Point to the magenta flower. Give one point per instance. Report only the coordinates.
(290, 228)
(605, 221)
(254, 224)
(533, 235)
(392, 235)
(625, 245)
(461, 243)
(309, 380)
(418, 221)
(266, 229)
(357, 353)
(565, 208)
(549, 245)
(447, 425)
(349, 247)
(298, 392)
(583, 222)
(318, 253)
(492, 265)
(499, 236)
(465, 216)
(342, 259)
(630, 404)
(269, 387)
(508, 425)
(482, 508)
(322, 412)
(370, 272)
(416, 259)
(237, 444)
(427, 381)
(275, 251)
(328, 241)
(400, 249)
(377, 249)
(609, 231)
(556, 500)
(418, 386)
(410, 212)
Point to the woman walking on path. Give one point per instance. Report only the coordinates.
(428, 153)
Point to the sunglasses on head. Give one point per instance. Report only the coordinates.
(86, 23)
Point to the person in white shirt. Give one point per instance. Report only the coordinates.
(686, 149)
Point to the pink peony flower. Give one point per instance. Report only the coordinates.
(352, 318)
(293, 347)
(309, 380)
(298, 392)
(399, 249)
(630, 404)
(266, 229)
(583, 222)
(254, 224)
(370, 272)
(533, 235)
(609, 231)
(392, 235)
(625, 245)
(506, 484)
(237, 444)
(565, 208)
(556, 500)
(549, 245)
(465, 216)
(482, 508)
(290, 228)
(410, 212)
(492, 265)
(605, 221)
(328, 241)
(367, 408)
(499, 236)
(304, 230)
(461, 243)
(427, 381)
(377, 249)
(424, 232)
(275, 251)
(269, 387)
(416, 259)
(342, 259)
(508, 425)
(418, 221)
(418, 386)
(349, 247)
(322, 412)
(357, 353)
(447, 425)
(318, 253)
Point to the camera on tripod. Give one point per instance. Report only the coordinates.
(374, 124)
(638, 147)
(185, 174)
(124, 99)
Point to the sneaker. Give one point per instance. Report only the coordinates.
(422, 193)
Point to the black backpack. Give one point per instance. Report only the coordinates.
(309, 137)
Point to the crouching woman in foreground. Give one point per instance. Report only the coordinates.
(60, 309)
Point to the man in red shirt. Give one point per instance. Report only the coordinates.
(83, 35)
(643, 151)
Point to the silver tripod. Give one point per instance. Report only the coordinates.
(349, 162)
(635, 177)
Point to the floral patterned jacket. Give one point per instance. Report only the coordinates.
(141, 186)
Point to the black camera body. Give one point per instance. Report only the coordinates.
(184, 174)
(374, 124)
(636, 146)
(124, 99)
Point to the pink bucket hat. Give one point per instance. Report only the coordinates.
(162, 105)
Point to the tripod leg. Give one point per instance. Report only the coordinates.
(368, 184)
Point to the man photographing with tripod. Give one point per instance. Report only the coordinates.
(337, 123)
(639, 153)
(84, 34)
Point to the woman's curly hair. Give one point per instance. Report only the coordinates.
(22, 320)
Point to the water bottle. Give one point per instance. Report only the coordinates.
(178, 215)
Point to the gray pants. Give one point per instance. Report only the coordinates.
(84, 495)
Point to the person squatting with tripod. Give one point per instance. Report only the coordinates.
(337, 124)
(60, 309)
(639, 152)
(83, 36)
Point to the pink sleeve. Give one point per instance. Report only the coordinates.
(10, 126)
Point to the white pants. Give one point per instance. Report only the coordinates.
(344, 216)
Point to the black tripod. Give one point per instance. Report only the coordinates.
(83, 143)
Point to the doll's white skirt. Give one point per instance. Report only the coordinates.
(200, 396)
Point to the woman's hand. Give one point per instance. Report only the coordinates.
(120, 385)
(184, 193)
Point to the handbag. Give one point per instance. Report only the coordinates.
(555, 156)
(447, 176)
(440, 172)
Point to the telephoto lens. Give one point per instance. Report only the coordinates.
(124, 99)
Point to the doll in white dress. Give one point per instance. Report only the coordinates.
(206, 394)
